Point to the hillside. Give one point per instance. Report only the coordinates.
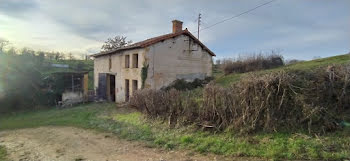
(226, 80)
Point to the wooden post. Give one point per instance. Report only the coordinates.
(199, 23)
(72, 83)
(86, 85)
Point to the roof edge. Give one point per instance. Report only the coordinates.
(114, 51)
(151, 41)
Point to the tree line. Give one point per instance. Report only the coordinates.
(5, 48)
(25, 80)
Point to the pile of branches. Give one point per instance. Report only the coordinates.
(172, 105)
(294, 100)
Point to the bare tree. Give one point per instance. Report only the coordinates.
(50, 55)
(3, 44)
(12, 51)
(71, 56)
(115, 43)
(218, 62)
(59, 56)
(27, 51)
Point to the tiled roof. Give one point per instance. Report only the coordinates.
(154, 40)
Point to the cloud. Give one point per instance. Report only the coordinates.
(17, 8)
(83, 25)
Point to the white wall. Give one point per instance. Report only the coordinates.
(101, 65)
(173, 60)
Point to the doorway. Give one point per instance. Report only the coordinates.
(127, 90)
(111, 88)
(102, 86)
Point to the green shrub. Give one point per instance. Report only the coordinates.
(3, 153)
(187, 139)
(182, 85)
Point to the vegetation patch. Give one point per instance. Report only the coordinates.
(253, 62)
(131, 125)
(275, 145)
(24, 80)
(144, 72)
(227, 80)
(313, 101)
(3, 153)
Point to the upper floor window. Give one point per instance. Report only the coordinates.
(135, 60)
(127, 61)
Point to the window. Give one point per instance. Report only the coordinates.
(127, 61)
(135, 60)
(134, 85)
(127, 91)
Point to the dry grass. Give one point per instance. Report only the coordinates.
(295, 100)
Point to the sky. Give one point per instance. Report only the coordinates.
(298, 29)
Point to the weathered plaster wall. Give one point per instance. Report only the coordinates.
(69, 97)
(178, 58)
(101, 65)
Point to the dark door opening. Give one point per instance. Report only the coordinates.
(102, 86)
(127, 90)
(112, 87)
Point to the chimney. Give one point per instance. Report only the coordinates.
(177, 26)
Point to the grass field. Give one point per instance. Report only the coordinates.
(2, 153)
(131, 125)
(226, 80)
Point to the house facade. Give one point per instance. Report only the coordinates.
(153, 63)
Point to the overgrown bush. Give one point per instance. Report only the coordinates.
(182, 85)
(252, 63)
(20, 82)
(294, 100)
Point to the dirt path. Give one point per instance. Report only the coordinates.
(71, 144)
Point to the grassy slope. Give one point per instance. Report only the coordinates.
(307, 65)
(131, 125)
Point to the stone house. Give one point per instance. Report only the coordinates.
(153, 63)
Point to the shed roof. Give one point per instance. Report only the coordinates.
(154, 40)
(70, 72)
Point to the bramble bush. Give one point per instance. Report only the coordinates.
(314, 101)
